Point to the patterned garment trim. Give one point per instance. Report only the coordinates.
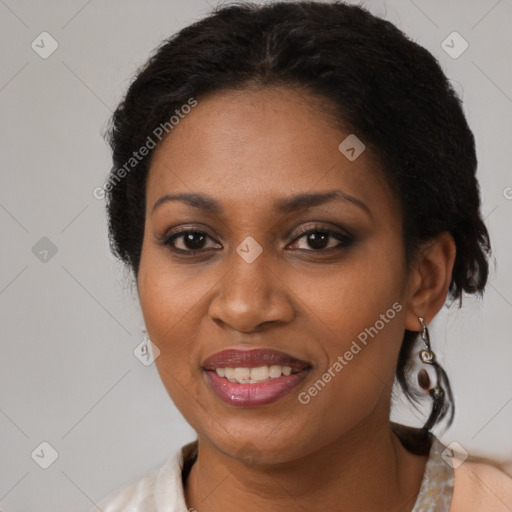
(436, 489)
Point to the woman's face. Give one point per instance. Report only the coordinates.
(336, 302)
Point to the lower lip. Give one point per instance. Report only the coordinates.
(251, 395)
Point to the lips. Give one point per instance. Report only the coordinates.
(245, 392)
(233, 358)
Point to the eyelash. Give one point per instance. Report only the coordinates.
(345, 240)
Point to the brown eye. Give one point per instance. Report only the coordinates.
(319, 239)
(190, 241)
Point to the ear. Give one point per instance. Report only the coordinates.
(429, 279)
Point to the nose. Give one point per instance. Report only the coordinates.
(251, 295)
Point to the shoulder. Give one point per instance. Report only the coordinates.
(479, 485)
(158, 490)
(132, 496)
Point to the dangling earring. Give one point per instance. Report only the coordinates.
(427, 356)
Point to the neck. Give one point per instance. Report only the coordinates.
(367, 468)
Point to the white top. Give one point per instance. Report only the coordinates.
(162, 491)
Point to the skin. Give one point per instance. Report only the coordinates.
(247, 149)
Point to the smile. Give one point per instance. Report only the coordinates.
(249, 378)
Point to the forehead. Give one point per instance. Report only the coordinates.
(252, 147)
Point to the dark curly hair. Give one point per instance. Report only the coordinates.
(386, 88)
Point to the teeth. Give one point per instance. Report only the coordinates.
(242, 373)
(253, 375)
(259, 373)
(274, 371)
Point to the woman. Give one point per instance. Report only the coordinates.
(294, 190)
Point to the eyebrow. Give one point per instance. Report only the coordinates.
(283, 205)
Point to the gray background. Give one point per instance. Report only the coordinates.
(70, 323)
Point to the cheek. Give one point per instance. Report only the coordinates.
(168, 304)
(358, 317)
(174, 303)
(353, 295)
(172, 316)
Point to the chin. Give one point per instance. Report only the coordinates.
(260, 448)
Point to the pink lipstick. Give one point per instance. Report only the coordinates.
(249, 378)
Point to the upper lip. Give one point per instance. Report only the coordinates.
(233, 358)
